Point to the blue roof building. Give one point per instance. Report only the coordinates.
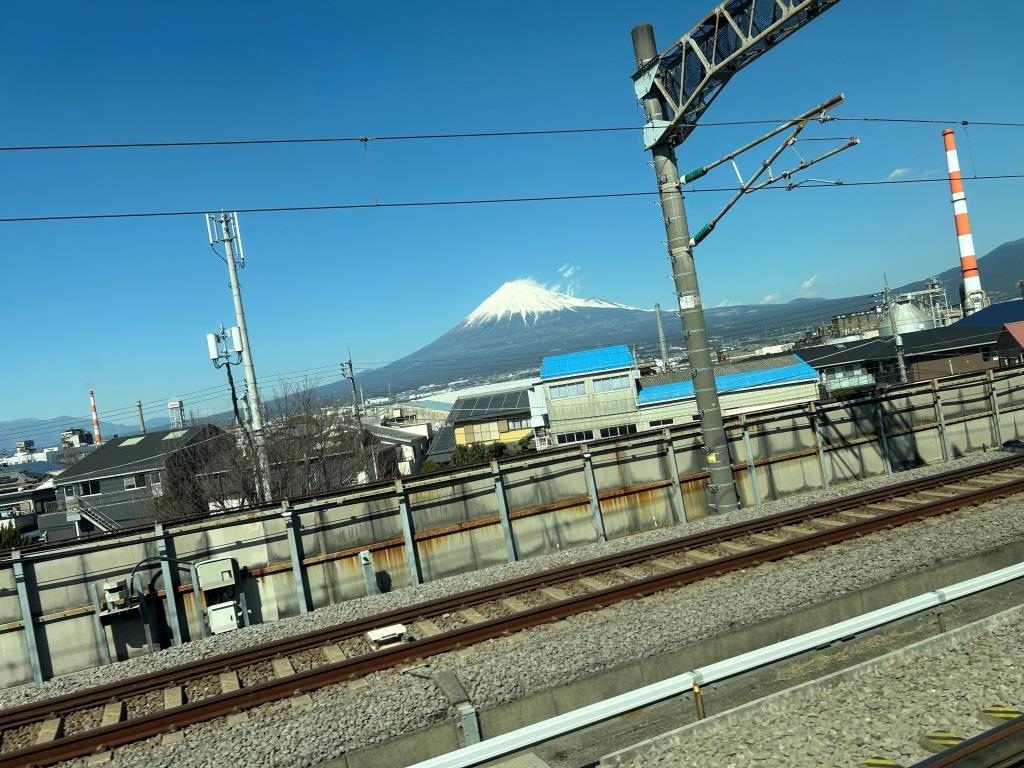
(796, 371)
(586, 362)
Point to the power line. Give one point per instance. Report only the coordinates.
(188, 143)
(813, 184)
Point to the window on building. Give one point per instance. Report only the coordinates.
(69, 491)
(611, 383)
(563, 391)
(575, 437)
(89, 488)
(135, 481)
(660, 423)
(514, 424)
(619, 431)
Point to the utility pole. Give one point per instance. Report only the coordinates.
(901, 363)
(142, 421)
(349, 373)
(661, 336)
(233, 256)
(722, 487)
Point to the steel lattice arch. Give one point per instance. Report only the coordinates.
(690, 73)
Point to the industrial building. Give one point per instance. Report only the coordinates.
(604, 393)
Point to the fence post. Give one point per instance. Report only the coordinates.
(415, 574)
(170, 576)
(883, 440)
(940, 419)
(751, 468)
(595, 501)
(506, 521)
(994, 400)
(293, 528)
(97, 625)
(673, 465)
(27, 622)
(819, 444)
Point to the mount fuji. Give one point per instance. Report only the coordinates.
(523, 320)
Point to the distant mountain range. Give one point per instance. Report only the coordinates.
(522, 321)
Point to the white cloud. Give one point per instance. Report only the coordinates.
(898, 173)
(572, 275)
(729, 303)
(771, 298)
(806, 290)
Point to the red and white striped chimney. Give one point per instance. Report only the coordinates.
(972, 296)
(95, 419)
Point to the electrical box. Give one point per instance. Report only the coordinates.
(115, 593)
(223, 617)
(217, 574)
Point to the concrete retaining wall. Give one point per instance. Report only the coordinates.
(426, 528)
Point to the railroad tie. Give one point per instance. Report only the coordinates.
(700, 556)
(99, 758)
(939, 741)
(591, 584)
(998, 714)
(302, 700)
(825, 523)
(472, 615)
(334, 653)
(174, 697)
(113, 713)
(171, 738)
(513, 604)
(766, 539)
(282, 667)
(798, 530)
(50, 730)
(236, 718)
(229, 681)
(664, 565)
(853, 516)
(425, 628)
(555, 593)
(628, 573)
(936, 494)
(887, 507)
(733, 548)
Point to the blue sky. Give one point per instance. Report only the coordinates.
(122, 306)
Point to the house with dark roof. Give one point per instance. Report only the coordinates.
(492, 417)
(929, 354)
(1010, 345)
(130, 481)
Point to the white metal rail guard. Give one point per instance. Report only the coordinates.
(560, 725)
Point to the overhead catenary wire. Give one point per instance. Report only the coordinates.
(454, 135)
(811, 184)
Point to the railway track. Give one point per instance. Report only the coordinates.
(77, 724)
(1001, 747)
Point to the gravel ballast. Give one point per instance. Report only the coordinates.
(345, 717)
(355, 609)
(882, 709)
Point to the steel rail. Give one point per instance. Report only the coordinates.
(26, 714)
(113, 736)
(1001, 747)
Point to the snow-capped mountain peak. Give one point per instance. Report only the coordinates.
(529, 299)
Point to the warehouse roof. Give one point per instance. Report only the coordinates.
(788, 369)
(135, 453)
(995, 316)
(1015, 331)
(490, 406)
(587, 361)
(928, 342)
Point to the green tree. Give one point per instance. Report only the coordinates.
(10, 537)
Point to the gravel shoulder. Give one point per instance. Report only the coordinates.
(883, 709)
(355, 609)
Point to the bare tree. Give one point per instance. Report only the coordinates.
(313, 447)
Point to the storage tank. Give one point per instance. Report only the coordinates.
(908, 317)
